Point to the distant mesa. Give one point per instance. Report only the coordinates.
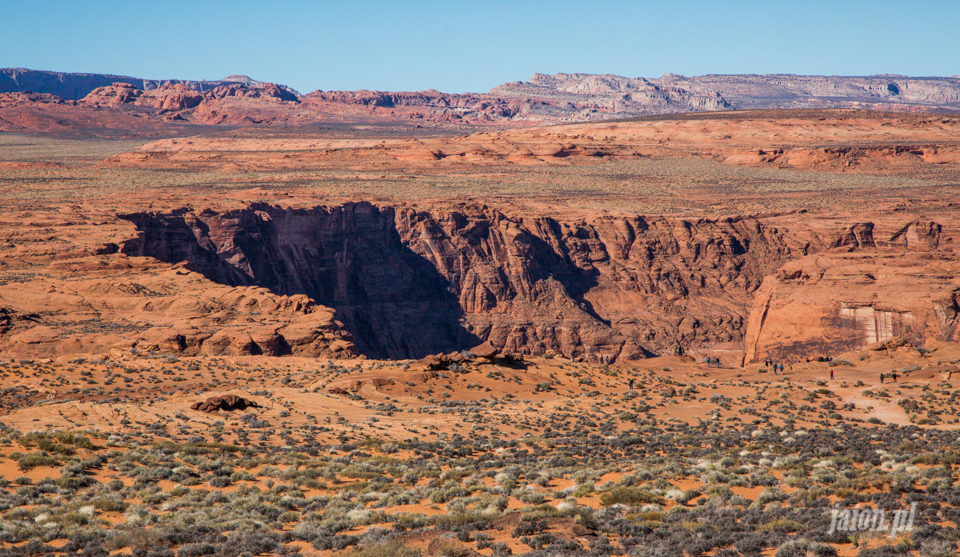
(142, 106)
(75, 86)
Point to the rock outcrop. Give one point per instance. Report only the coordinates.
(874, 298)
(167, 98)
(122, 307)
(594, 97)
(227, 403)
(816, 91)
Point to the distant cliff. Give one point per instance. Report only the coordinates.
(75, 86)
(813, 91)
(544, 99)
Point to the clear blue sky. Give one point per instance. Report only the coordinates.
(474, 46)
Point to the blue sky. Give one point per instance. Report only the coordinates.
(474, 46)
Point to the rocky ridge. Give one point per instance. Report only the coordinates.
(75, 86)
(544, 99)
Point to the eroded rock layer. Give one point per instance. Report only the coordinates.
(823, 305)
(408, 281)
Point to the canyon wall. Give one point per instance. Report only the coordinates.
(907, 287)
(407, 282)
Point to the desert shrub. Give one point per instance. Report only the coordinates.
(583, 490)
(780, 524)
(30, 461)
(109, 504)
(219, 481)
(532, 497)
(55, 441)
(763, 479)
(338, 543)
(254, 543)
(687, 496)
(805, 548)
(630, 496)
(938, 548)
(528, 528)
(137, 539)
(895, 550)
(195, 549)
(770, 495)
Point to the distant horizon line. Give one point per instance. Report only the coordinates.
(240, 76)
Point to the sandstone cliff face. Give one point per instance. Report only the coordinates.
(67, 86)
(10, 100)
(408, 282)
(814, 91)
(165, 98)
(676, 93)
(592, 97)
(178, 97)
(351, 257)
(404, 281)
(66, 290)
(434, 99)
(895, 281)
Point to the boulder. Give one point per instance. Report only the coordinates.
(485, 350)
(435, 361)
(227, 402)
(889, 344)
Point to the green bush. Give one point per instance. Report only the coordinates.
(583, 490)
(30, 461)
(630, 496)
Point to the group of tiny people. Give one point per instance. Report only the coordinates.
(776, 367)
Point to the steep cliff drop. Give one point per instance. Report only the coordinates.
(350, 258)
(407, 282)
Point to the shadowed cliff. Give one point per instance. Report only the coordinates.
(350, 258)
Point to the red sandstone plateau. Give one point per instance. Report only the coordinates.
(238, 319)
